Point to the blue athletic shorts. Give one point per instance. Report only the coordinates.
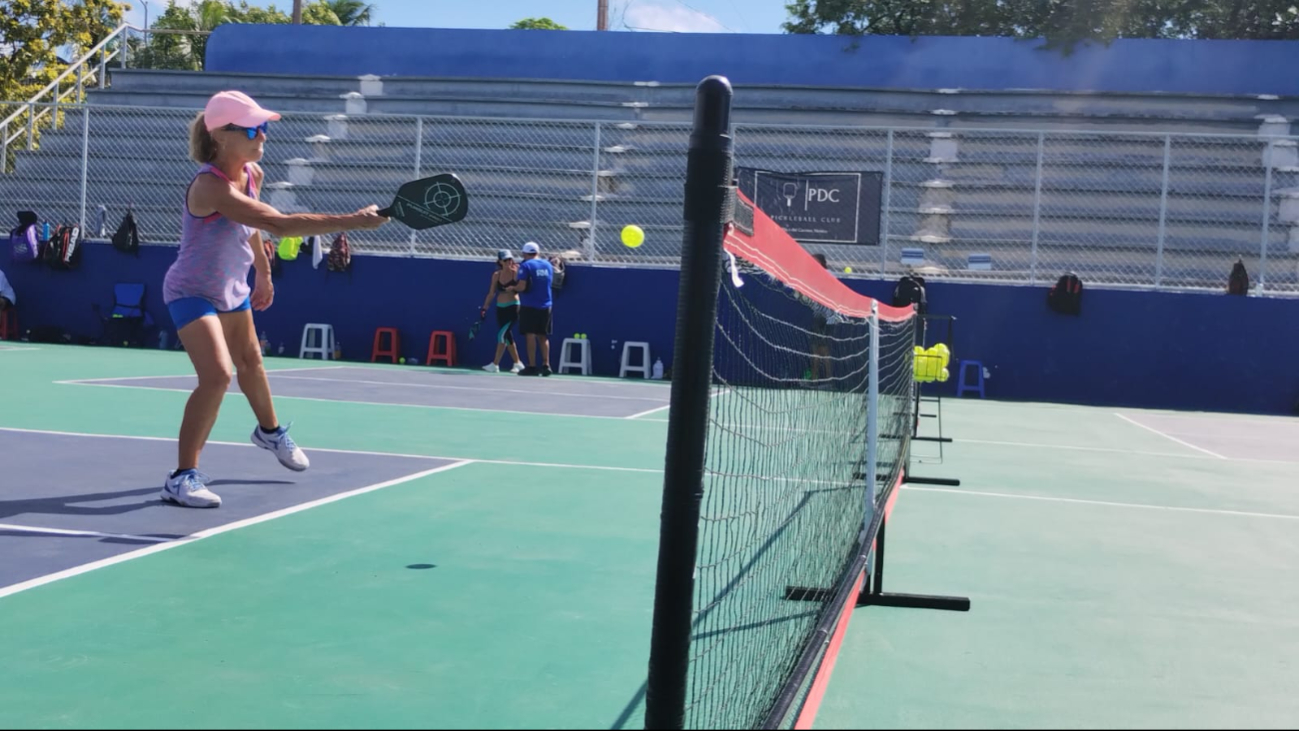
(188, 309)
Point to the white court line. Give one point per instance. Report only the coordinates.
(1105, 503)
(80, 533)
(160, 547)
(519, 463)
(14, 349)
(1111, 450)
(96, 381)
(473, 388)
(1169, 436)
(1217, 420)
(651, 411)
(1114, 450)
(279, 397)
(715, 394)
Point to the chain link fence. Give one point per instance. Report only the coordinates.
(1120, 209)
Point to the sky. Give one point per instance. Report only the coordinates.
(679, 16)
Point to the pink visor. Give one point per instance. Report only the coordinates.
(237, 108)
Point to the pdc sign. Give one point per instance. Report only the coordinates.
(818, 207)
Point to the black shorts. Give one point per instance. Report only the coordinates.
(534, 320)
(505, 319)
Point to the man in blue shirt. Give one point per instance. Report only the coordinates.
(534, 287)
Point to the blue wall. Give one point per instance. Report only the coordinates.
(415, 295)
(1161, 350)
(886, 62)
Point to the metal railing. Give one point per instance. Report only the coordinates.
(1119, 208)
(23, 121)
(28, 116)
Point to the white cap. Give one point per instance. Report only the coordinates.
(531, 248)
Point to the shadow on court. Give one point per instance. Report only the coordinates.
(88, 498)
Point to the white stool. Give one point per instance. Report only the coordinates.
(326, 347)
(644, 366)
(584, 355)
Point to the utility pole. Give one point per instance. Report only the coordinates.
(297, 12)
(602, 15)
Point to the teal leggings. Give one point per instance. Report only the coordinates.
(506, 315)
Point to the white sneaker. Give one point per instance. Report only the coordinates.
(282, 445)
(189, 489)
(517, 367)
(492, 368)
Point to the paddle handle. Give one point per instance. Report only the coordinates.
(385, 212)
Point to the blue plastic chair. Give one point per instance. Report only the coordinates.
(128, 319)
(977, 385)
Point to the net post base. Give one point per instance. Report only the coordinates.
(912, 480)
(916, 601)
(873, 594)
(868, 599)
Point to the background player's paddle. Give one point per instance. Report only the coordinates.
(473, 329)
(429, 202)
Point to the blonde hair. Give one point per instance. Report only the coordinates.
(202, 146)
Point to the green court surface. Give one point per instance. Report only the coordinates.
(1126, 568)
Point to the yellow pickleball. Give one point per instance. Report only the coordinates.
(632, 236)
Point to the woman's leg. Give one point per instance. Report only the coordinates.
(507, 317)
(246, 351)
(206, 347)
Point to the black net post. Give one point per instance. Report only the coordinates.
(707, 188)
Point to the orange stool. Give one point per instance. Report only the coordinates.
(394, 344)
(9, 324)
(446, 354)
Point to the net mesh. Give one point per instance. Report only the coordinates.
(787, 494)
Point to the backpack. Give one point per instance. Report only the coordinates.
(24, 246)
(64, 248)
(1066, 296)
(127, 238)
(1238, 280)
(910, 290)
(340, 254)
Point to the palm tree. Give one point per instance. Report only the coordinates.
(351, 12)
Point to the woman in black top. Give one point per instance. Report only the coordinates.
(507, 310)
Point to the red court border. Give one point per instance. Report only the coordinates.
(812, 705)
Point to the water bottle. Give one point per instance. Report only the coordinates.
(265, 343)
(281, 350)
(45, 231)
(162, 340)
(657, 370)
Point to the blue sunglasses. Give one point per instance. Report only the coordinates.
(250, 131)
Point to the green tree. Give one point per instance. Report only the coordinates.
(1062, 23)
(537, 24)
(33, 31)
(186, 49)
(350, 12)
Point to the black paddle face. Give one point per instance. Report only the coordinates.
(429, 202)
